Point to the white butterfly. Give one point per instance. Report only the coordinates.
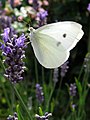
(52, 43)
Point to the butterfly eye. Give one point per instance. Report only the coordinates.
(64, 35)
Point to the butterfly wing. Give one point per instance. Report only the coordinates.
(68, 33)
(48, 51)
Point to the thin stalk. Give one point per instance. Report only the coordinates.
(36, 71)
(60, 84)
(43, 74)
(80, 73)
(50, 96)
(12, 97)
(83, 94)
(18, 95)
(66, 109)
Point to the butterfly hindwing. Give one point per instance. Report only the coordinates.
(49, 52)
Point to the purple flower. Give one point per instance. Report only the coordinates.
(35, 4)
(7, 50)
(44, 117)
(88, 8)
(39, 93)
(20, 41)
(13, 49)
(42, 15)
(6, 34)
(73, 106)
(64, 69)
(72, 89)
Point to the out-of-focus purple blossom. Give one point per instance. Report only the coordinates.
(88, 8)
(39, 93)
(13, 49)
(5, 22)
(14, 117)
(55, 75)
(73, 106)
(42, 17)
(72, 90)
(11, 3)
(6, 34)
(44, 117)
(64, 69)
(35, 4)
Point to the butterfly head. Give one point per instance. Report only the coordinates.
(31, 29)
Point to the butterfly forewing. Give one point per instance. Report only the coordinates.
(68, 33)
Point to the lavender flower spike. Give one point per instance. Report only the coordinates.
(72, 89)
(64, 68)
(39, 93)
(13, 49)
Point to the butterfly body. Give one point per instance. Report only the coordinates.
(52, 43)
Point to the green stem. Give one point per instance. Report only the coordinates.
(23, 103)
(42, 74)
(48, 103)
(80, 73)
(36, 71)
(60, 84)
(66, 109)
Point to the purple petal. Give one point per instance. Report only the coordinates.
(42, 15)
(7, 50)
(6, 34)
(20, 41)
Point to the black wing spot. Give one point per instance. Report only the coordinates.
(64, 35)
(58, 43)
